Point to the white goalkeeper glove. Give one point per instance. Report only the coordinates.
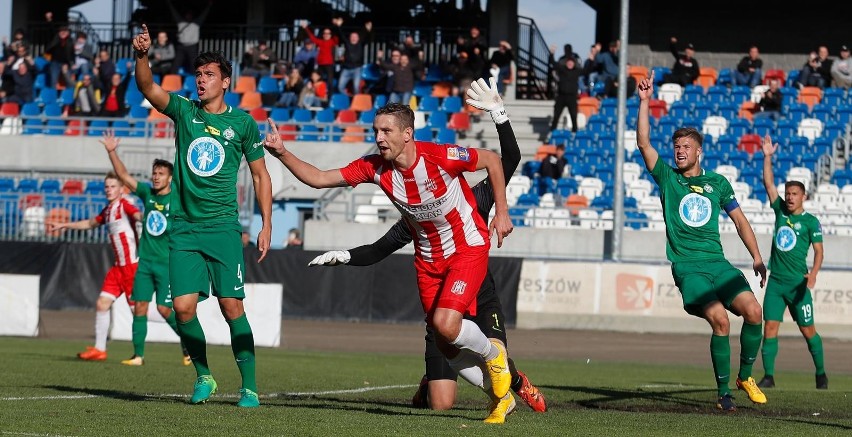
(487, 98)
(331, 258)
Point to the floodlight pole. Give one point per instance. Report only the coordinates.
(618, 184)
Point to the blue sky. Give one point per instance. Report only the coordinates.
(561, 21)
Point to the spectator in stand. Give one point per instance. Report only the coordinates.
(23, 78)
(464, 70)
(817, 70)
(104, 70)
(113, 97)
(305, 58)
(61, 51)
(553, 165)
(294, 239)
(416, 56)
(258, 60)
(501, 60)
(188, 36)
(590, 69)
(607, 66)
(163, 55)
(83, 55)
(367, 34)
(770, 104)
(568, 74)
(353, 59)
(475, 44)
(749, 70)
(685, 69)
(291, 90)
(841, 69)
(87, 98)
(11, 47)
(315, 92)
(326, 47)
(401, 73)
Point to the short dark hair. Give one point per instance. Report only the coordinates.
(690, 132)
(795, 184)
(113, 175)
(401, 112)
(165, 164)
(216, 57)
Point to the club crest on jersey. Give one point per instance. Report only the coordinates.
(695, 210)
(205, 156)
(458, 287)
(457, 153)
(430, 185)
(228, 134)
(708, 188)
(785, 239)
(156, 223)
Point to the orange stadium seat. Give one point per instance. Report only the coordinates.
(361, 102)
(172, 82)
(747, 110)
(251, 100)
(353, 134)
(442, 89)
(544, 150)
(576, 202)
(637, 72)
(810, 95)
(589, 106)
(707, 77)
(245, 84)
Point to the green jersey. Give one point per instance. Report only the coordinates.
(154, 244)
(794, 234)
(691, 207)
(209, 149)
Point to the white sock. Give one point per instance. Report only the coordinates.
(470, 367)
(471, 338)
(101, 329)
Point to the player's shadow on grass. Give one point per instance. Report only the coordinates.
(114, 394)
(609, 398)
(377, 407)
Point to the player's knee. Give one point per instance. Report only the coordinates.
(440, 405)
(140, 308)
(753, 314)
(164, 311)
(720, 323)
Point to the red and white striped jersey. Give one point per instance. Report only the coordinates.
(118, 216)
(433, 197)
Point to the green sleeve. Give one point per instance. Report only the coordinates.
(726, 193)
(661, 171)
(143, 191)
(816, 230)
(177, 103)
(252, 145)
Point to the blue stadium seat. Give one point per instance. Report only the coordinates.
(371, 72)
(528, 199)
(738, 127)
(659, 73)
(380, 100)
(602, 202)
(268, 85)
(50, 186)
(308, 132)
(451, 104)
(446, 136)
(27, 185)
(66, 97)
(763, 126)
(740, 94)
(30, 109)
(33, 126)
(41, 64)
(428, 104)
(530, 168)
(188, 85)
(566, 186)
(7, 185)
(517, 214)
(47, 95)
(302, 115)
(55, 127)
(423, 134)
(139, 112)
(422, 89)
(280, 115)
(40, 82)
(823, 112)
(94, 187)
(232, 99)
(11, 214)
(726, 78)
(367, 117)
(52, 110)
(325, 116)
(339, 102)
(121, 128)
(437, 119)
(97, 128)
(833, 96)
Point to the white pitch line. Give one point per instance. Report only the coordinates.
(30, 434)
(673, 386)
(183, 395)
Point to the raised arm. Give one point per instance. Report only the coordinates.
(263, 191)
(305, 172)
(80, 225)
(157, 96)
(769, 149)
(746, 234)
(645, 90)
(110, 142)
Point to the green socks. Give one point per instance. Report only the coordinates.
(139, 329)
(720, 355)
(750, 338)
(815, 347)
(192, 336)
(172, 321)
(242, 344)
(769, 352)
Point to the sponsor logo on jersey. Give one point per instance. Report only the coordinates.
(695, 210)
(708, 188)
(785, 239)
(205, 156)
(633, 292)
(212, 130)
(156, 223)
(458, 287)
(696, 189)
(228, 134)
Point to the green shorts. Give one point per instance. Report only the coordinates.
(205, 258)
(784, 294)
(701, 283)
(152, 277)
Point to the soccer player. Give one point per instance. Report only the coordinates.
(438, 386)
(152, 276)
(692, 199)
(205, 248)
(425, 181)
(120, 216)
(790, 283)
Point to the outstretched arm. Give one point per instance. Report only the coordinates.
(645, 90)
(305, 172)
(81, 225)
(110, 142)
(369, 254)
(769, 149)
(157, 96)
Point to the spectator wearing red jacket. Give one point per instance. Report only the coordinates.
(326, 47)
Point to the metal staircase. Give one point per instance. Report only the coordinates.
(533, 78)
